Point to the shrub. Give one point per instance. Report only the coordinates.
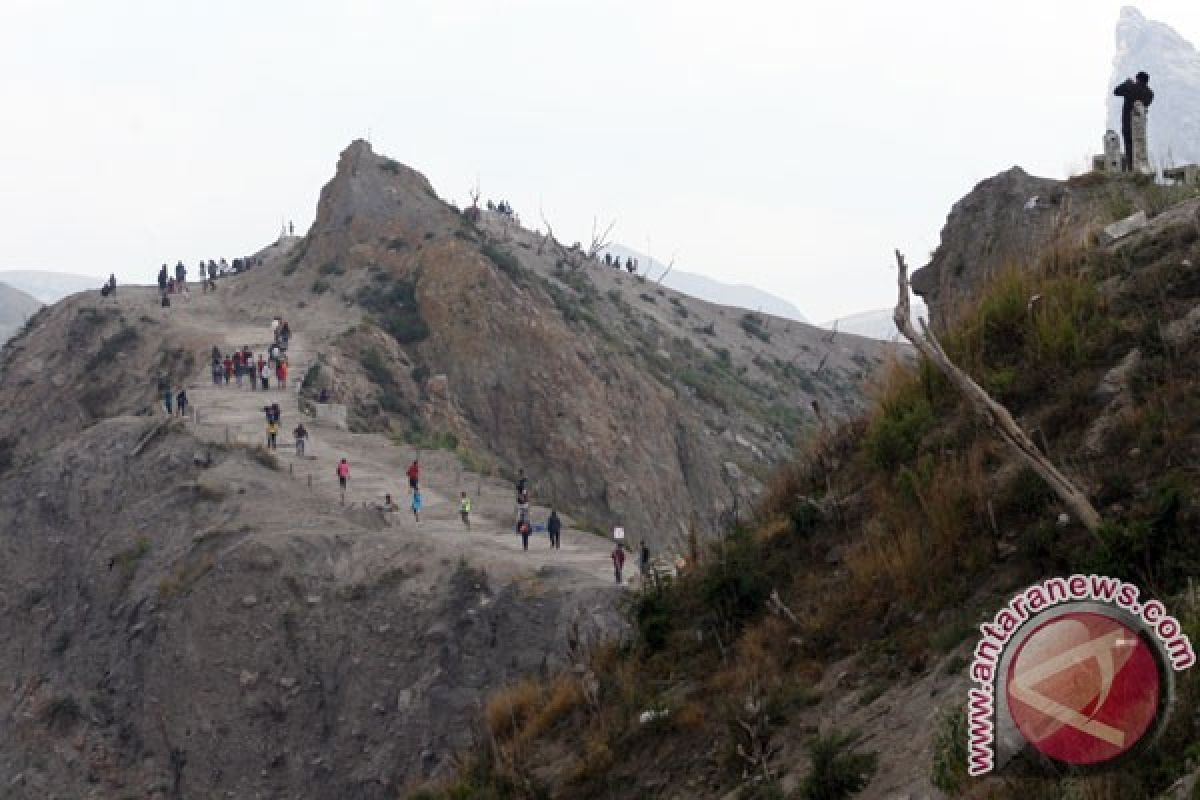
(420, 374)
(755, 326)
(395, 307)
(332, 268)
(311, 377)
(7, 446)
(895, 433)
(62, 713)
(320, 286)
(949, 769)
(837, 772)
(377, 369)
(120, 342)
(505, 261)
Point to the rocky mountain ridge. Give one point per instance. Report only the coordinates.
(631, 403)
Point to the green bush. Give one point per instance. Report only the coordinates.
(755, 326)
(395, 308)
(949, 769)
(505, 261)
(737, 586)
(332, 268)
(895, 434)
(320, 286)
(120, 342)
(837, 771)
(376, 368)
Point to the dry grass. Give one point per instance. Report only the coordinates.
(524, 711)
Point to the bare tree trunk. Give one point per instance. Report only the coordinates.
(995, 415)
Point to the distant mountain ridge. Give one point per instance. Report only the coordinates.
(704, 288)
(15, 307)
(48, 287)
(876, 324)
(1174, 68)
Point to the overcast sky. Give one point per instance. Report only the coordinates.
(790, 145)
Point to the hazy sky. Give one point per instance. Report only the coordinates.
(790, 145)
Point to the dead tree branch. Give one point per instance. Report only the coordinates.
(549, 237)
(666, 271)
(600, 240)
(995, 415)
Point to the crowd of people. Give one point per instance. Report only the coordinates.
(631, 264)
(172, 282)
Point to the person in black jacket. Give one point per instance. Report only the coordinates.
(554, 528)
(1132, 91)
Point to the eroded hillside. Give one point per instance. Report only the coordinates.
(820, 651)
(627, 402)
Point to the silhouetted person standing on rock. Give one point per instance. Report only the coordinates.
(1132, 91)
(162, 280)
(181, 401)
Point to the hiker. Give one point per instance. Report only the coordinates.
(607, 259)
(522, 486)
(162, 280)
(644, 561)
(554, 528)
(181, 401)
(274, 328)
(275, 413)
(343, 474)
(264, 372)
(389, 504)
(272, 435)
(237, 367)
(523, 509)
(524, 528)
(180, 277)
(281, 373)
(1132, 91)
(109, 287)
(228, 364)
(291, 228)
(248, 365)
(212, 274)
(164, 388)
(170, 286)
(414, 475)
(217, 372)
(618, 559)
(416, 505)
(464, 510)
(323, 397)
(300, 434)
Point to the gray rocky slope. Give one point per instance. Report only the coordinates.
(186, 616)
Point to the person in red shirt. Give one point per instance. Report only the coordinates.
(228, 370)
(414, 475)
(618, 559)
(281, 373)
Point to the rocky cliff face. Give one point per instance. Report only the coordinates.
(1174, 67)
(1015, 220)
(184, 629)
(626, 401)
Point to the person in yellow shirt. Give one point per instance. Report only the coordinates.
(464, 510)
